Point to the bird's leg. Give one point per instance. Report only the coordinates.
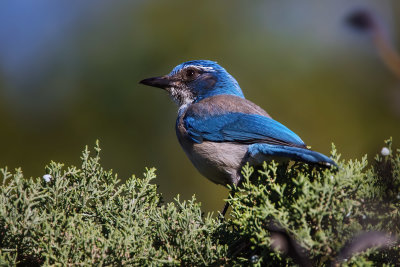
(226, 206)
(224, 210)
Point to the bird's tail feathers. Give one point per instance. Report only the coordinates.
(295, 153)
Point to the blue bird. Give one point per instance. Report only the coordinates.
(220, 130)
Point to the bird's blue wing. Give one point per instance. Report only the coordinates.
(239, 127)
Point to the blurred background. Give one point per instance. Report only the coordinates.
(69, 73)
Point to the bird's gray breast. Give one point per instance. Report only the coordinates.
(220, 162)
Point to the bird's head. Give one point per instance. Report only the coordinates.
(195, 80)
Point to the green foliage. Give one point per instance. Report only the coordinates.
(321, 209)
(87, 216)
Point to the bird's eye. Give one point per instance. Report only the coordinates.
(190, 73)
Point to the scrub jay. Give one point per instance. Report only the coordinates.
(220, 130)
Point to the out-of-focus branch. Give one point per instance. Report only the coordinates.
(366, 21)
(365, 241)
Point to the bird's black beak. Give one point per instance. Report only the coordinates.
(160, 82)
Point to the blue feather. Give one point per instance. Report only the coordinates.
(225, 83)
(296, 153)
(239, 127)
